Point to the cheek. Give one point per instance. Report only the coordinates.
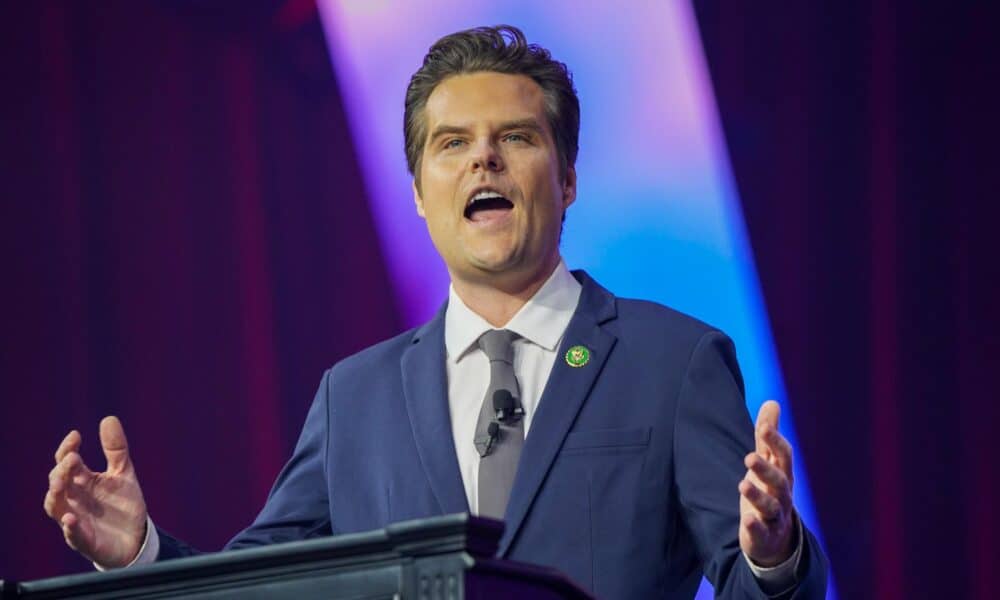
(437, 193)
(439, 216)
(550, 199)
(443, 168)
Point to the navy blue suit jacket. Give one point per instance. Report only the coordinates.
(628, 477)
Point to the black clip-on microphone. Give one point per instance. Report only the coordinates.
(508, 410)
(494, 432)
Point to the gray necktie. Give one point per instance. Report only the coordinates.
(498, 453)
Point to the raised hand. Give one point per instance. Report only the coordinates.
(767, 516)
(102, 515)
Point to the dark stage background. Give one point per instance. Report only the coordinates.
(863, 138)
(186, 243)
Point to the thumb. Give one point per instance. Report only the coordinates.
(768, 417)
(114, 444)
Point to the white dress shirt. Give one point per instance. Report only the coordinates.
(541, 324)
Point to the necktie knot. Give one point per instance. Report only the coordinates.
(498, 344)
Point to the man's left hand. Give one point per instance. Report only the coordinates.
(767, 516)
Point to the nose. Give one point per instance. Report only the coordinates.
(485, 157)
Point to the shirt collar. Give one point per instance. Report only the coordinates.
(542, 320)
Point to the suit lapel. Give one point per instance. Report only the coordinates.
(426, 390)
(564, 394)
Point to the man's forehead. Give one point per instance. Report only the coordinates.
(484, 95)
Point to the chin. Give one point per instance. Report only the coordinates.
(495, 260)
(495, 267)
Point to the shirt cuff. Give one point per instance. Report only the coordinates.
(148, 552)
(780, 578)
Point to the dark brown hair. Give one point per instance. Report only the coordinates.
(500, 49)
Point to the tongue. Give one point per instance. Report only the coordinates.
(489, 209)
(488, 214)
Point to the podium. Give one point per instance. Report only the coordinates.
(439, 558)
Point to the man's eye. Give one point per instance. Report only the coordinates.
(453, 143)
(516, 137)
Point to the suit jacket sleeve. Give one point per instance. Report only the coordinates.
(297, 507)
(713, 435)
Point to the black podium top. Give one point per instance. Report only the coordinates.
(441, 557)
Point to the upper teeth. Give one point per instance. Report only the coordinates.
(484, 195)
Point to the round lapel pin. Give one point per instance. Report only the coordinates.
(577, 356)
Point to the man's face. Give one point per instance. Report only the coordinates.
(490, 187)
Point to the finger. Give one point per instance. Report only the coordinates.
(781, 452)
(766, 506)
(71, 529)
(767, 417)
(114, 444)
(69, 474)
(755, 525)
(70, 443)
(770, 477)
(60, 474)
(71, 470)
(54, 506)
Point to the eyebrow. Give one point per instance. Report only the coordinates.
(442, 130)
(530, 124)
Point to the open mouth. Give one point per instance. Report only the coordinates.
(486, 206)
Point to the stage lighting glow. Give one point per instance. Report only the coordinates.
(657, 214)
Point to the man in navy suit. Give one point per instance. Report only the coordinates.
(633, 465)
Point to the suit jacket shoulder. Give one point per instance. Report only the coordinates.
(659, 325)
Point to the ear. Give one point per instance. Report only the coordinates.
(418, 200)
(569, 187)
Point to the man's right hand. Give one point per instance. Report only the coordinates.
(102, 515)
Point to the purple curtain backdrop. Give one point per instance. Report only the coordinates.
(186, 244)
(863, 138)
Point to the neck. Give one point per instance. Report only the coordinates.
(498, 301)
